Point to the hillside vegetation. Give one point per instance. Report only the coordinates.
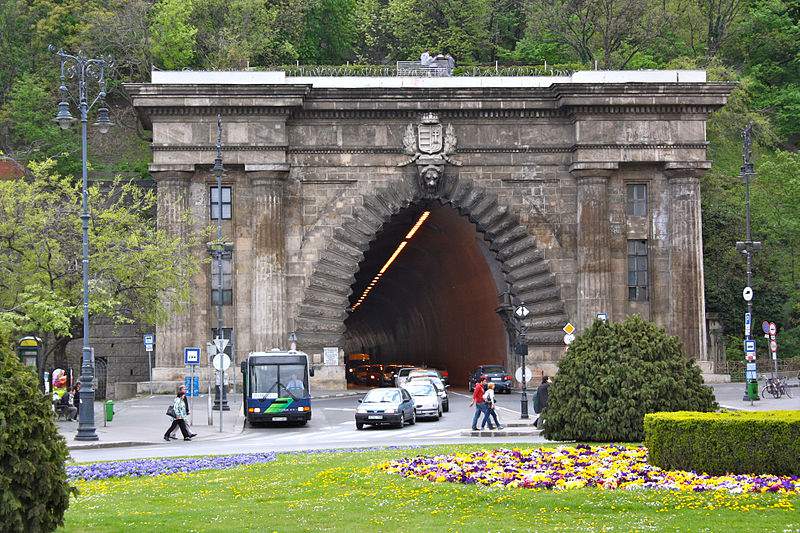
(755, 43)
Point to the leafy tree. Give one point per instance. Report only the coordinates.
(137, 272)
(34, 492)
(613, 374)
(173, 36)
(330, 31)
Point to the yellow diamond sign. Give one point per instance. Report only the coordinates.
(569, 329)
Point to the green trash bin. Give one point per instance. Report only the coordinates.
(752, 389)
(109, 410)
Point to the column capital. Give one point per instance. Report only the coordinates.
(172, 177)
(267, 174)
(593, 169)
(685, 169)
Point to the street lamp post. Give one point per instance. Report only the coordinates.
(513, 317)
(748, 246)
(84, 70)
(218, 250)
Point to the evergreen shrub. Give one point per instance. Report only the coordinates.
(34, 492)
(613, 374)
(740, 442)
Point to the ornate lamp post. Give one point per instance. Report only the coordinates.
(748, 247)
(84, 71)
(513, 317)
(218, 249)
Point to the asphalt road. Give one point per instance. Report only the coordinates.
(332, 426)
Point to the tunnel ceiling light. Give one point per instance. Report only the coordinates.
(420, 221)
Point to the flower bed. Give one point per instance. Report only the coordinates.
(567, 467)
(161, 467)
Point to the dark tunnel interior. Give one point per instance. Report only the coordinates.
(434, 305)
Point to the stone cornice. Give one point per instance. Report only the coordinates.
(213, 148)
(537, 149)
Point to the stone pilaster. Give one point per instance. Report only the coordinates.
(269, 310)
(594, 266)
(175, 334)
(687, 294)
(201, 288)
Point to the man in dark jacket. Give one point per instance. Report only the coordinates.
(540, 402)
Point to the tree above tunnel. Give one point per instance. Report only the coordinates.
(613, 374)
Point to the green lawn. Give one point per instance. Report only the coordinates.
(346, 491)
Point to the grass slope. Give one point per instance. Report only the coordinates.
(347, 491)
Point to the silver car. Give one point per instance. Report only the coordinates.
(427, 403)
(386, 407)
(402, 375)
(441, 389)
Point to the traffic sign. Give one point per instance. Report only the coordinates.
(568, 338)
(765, 326)
(528, 374)
(750, 347)
(773, 346)
(522, 311)
(149, 340)
(772, 328)
(191, 356)
(221, 344)
(747, 324)
(569, 328)
(602, 316)
(747, 294)
(222, 361)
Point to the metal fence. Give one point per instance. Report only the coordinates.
(789, 368)
(392, 70)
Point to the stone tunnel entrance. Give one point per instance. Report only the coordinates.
(433, 302)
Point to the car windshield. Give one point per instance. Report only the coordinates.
(421, 390)
(382, 396)
(404, 372)
(432, 373)
(436, 382)
(494, 370)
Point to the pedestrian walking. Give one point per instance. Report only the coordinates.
(186, 404)
(480, 405)
(488, 397)
(179, 410)
(540, 401)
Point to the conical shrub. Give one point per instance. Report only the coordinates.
(34, 492)
(613, 374)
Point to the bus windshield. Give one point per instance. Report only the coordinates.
(278, 380)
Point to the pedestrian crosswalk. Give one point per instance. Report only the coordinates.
(342, 434)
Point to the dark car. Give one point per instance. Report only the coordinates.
(388, 406)
(497, 374)
(374, 375)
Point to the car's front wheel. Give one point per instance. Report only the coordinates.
(359, 425)
(413, 418)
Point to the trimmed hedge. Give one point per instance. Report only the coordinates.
(739, 442)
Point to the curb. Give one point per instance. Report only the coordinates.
(501, 433)
(118, 444)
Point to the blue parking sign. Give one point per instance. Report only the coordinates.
(192, 384)
(191, 356)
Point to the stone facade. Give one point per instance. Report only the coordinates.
(543, 170)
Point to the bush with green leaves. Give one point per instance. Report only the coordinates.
(613, 374)
(34, 492)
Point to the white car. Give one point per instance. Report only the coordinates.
(441, 388)
(427, 403)
(402, 375)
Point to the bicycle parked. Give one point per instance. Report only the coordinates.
(776, 387)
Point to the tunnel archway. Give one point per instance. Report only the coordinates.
(507, 247)
(425, 294)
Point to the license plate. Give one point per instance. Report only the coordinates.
(279, 419)
(497, 379)
(375, 417)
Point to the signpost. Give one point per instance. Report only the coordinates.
(773, 347)
(211, 350)
(221, 362)
(191, 358)
(149, 342)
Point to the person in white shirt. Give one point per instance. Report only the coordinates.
(488, 397)
(425, 59)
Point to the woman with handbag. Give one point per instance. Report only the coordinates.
(178, 408)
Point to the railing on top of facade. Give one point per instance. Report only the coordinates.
(392, 70)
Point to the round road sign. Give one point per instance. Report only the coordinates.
(772, 328)
(528, 374)
(568, 338)
(773, 346)
(747, 294)
(222, 361)
(765, 326)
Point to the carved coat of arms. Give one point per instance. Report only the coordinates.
(430, 145)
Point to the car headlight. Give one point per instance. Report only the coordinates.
(361, 410)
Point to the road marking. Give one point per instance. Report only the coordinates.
(348, 409)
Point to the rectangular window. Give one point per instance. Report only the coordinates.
(227, 280)
(637, 200)
(227, 333)
(226, 203)
(637, 271)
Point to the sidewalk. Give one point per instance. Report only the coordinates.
(729, 396)
(143, 420)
